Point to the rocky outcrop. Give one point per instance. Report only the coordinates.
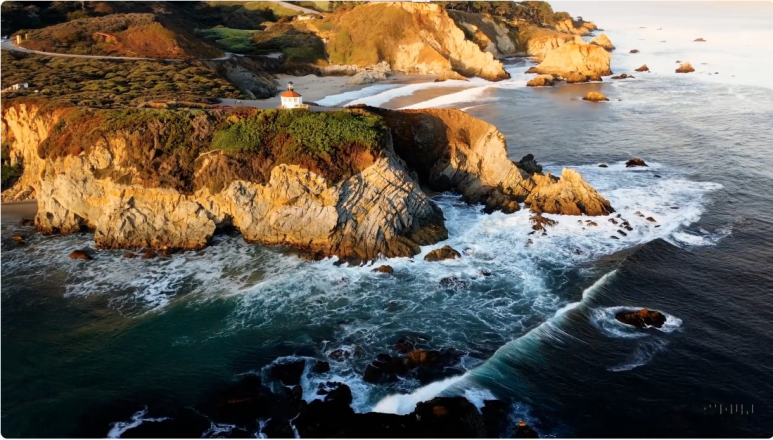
(489, 33)
(634, 51)
(635, 162)
(377, 210)
(623, 76)
(444, 253)
(603, 41)
(588, 60)
(428, 41)
(541, 81)
(699, 40)
(643, 68)
(537, 41)
(451, 150)
(595, 97)
(642, 318)
(570, 26)
(249, 75)
(685, 68)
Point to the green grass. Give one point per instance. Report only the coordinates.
(232, 40)
(278, 9)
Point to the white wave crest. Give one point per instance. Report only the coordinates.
(118, 428)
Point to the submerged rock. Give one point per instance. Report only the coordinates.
(80, 255)
(603, 165)
(129, 255)
(636, 162)
(321, 367)
(634, 51)
(289, 373)
(539, 222)
(685, 68)
(700, 40)
(384, 269)
(444, 253)
(641, 318)
(622, 76)
(148, 254)
(595, 97)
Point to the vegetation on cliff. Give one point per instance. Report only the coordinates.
(10, 173)
(165, 146)
(113, 83)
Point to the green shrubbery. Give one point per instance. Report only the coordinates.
(10, 173)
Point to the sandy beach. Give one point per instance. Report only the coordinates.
(15, 211)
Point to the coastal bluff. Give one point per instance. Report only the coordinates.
(343, 183)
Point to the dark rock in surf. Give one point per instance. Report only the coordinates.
(453, 282)
(525, 431)
(384, 269)
(27, 222)
(643, 68)
(636, 162)
(289, 373)
(148, 254)
(79, 254)
(634, 51)
(651, 219)
(444, 253)
(603, 165)
(129, 255)
(699, 40)
(321, 367)
(641, 318)
(539, 222)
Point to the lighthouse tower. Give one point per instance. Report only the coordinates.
(291, 98)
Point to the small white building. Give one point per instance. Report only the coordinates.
(291, 98)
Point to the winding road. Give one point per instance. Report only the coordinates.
(8, 45)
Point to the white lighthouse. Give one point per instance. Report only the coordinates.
(291, 98)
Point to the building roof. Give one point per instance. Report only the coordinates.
(290, 94)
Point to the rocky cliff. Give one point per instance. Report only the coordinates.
(537, 41)
(489, 33)
(574, 27)
(143, 178)
(412, 37)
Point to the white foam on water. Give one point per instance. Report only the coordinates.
(478, 397)
(261, 426)
(642, 355)
(217, 430)
(118, 428)
(402, 404)
(334, 100)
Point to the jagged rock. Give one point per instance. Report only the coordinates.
(539, 222)
(569, 195)
(642, 318)
(636, 162)
(685, 68)
(524, 431)
(444, 253)
(446, 75)
(453, 283)
(27, 222)
(613, 221)
(643, 68)
(634, 51)
(384, 269)
(541, 81)
(603, 41)
(429, 365)
(622, 76)
(595, 97)
(651, 219)
(80, 255)
(529, 164)
(367, 77)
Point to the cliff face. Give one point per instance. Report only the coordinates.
(491, 35)
(571, 27)
(539, 41)
(378, 210)
(573, 57)
(412, 37)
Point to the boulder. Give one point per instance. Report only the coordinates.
(148, 254)
(79, 254)
(636, 162)
(289, 373)
(367, 77)
(603, 41)
(700, 40)
(578, 77)
(685, 68)
(643, 68)
(444, 253)
(27, 222)
(321, 367)
(541, 81)
(428, 365)
(529, 164)
(595, 97)
(129, 255)
(384, 269)
(622, 76)
(539, 222)
(569, 195)
(634, 51)
(603, 165)
(641, 318)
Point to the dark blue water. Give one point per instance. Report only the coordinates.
(88, 344)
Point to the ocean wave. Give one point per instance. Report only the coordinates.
(643, 353)
(118, 428)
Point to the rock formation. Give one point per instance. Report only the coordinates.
(444, 253)
(367, 77)
(106, 184)
(699, 40)
(634, 51)
(642, 318)
(540, 81)
(538, 41)
(589, 60)
(643, 68)
(428, 40)
(595, 97)
(635, 162)
(622, 76)
(603, 41)
(569, 26)
(685, 68)
(489, 33)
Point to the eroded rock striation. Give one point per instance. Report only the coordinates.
(166, 180)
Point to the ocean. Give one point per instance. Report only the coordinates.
(91, 349)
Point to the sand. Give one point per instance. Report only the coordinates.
(15, 211)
